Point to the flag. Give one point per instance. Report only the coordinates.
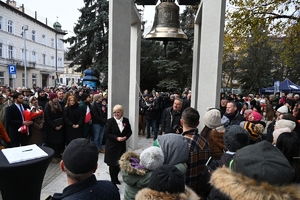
(88, 116)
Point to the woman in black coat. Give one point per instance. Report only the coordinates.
(117, 131)
(73, 118)
(54, 122)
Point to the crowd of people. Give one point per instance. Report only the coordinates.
(249, 148)
(64, 114)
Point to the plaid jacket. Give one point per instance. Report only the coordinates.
(199, 154)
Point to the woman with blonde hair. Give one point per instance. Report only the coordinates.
(36, 129)
(73, 118)
(117, 131)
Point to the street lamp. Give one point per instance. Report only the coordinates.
(25, 28)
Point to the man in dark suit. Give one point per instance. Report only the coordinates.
(14, 120)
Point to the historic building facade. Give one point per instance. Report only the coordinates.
(29, 45)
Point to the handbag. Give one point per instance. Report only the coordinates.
(58, 121)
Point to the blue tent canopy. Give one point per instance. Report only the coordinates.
(285, 85)
(266, 90)
(288, 85)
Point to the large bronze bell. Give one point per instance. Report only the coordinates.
(166, 25)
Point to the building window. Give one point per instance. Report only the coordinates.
(10, 52)
(1, 49)
(44, 59)
(52, 61)
(1, 78)
(1, 23)
(33, 56)
(33, 35)
(10, 26)
(44, 39)
(23, 55)
(59, 64)
(34, 79)
(52, 42)
(23, 33)
(23, 80)
(60, 44)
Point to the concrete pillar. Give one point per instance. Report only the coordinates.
(135, 57)
(123, 62)
(208, 50)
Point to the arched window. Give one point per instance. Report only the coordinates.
(10, 26)
(44, 39)
(33, 35)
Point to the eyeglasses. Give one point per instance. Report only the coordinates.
(117, 112)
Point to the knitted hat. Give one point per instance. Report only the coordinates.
(284, 123)
(80, 156)
(253, 129)
(283, 109)
(175, 148)
(264, 163)
(96, 97)
(167, 178)
(256, 115)
(212, 118)
(278, 131)
(235, 138)
(52, 96)
(152, 157)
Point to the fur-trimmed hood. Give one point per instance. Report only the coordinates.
(125, 164)
(148, 194)
(236, 187)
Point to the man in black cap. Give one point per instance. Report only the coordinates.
(79, 161)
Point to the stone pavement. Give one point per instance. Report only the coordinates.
(55, 180)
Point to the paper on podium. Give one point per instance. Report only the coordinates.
(23, 153)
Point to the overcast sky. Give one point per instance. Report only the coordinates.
(67, 11)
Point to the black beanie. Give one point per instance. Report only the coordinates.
(167, 178)
(235, 138)
(80, 156)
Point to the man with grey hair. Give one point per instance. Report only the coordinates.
(171, 117)
(79, 161)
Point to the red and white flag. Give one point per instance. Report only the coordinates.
(88, 115)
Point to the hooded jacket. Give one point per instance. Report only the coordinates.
(148, 194)
(229, 185)
(135, 179)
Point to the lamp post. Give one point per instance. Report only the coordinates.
(56, 79)
(25, 60)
